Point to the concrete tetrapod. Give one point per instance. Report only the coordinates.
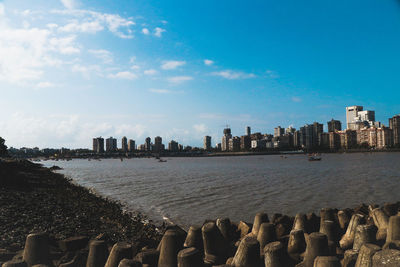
(364, 258)
(300, 222)
(248, 253)
(225, 227)
(215, 245)
(381, 220)
(343, 219)
(297, 242)
(194, 238)
(327, 261)
(190, 257)
(364, 234)
(317, 245)
(129, 263)
(266, 234)
(36, 249)
(274, 254)
(393, 231)
(171, 243)
(387, 258)
(349, 258)
(148, 257)
(119, 251)
(258, 220)
(98, 254)
(348, 238)
(15, 263)
(327, 214)
(329, 228)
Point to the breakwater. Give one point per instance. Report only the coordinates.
(365, 236)
(73, 227)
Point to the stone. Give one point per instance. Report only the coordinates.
(364, 258)
(190, 257)
(266, 234)
(171, 243)
(119, 251)
(326, 261)
(98, 254)
(36, 249)
(347, 239)
(248, 253)
(258, 220)
(386, 258)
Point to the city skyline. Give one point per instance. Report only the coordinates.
(72, 70)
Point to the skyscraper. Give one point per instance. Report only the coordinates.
(225, 139)
(351, 114)
(334, 125)
(279, 131)
(394, 124)
(124, 144)
(131, 145)
(158, 146)
(207, 142)
(248, 131)
(98, 145)
(111, 144)
(147, 144)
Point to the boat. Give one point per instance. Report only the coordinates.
(314, 157)
(162, 160)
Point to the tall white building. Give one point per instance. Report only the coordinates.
(357, 118)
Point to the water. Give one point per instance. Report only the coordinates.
(187, 191)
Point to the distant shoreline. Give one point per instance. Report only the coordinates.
(120, 155)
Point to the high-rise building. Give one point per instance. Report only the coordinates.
(98, 145)
(158, 146)
(384, 137)
(357, 118)
(111, 144)
(351, 114)
(334, 125)
(173, 146)
(394, 125)
(147, 144)
(245, 142)
(248, 131)
(318, 129)
(124, 144)
(131, 145)
(207, 142)
(225, 139)
(234, 143)
(290, 130)
(278, 131)
(334, 140)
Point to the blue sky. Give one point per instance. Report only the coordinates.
(72, 69)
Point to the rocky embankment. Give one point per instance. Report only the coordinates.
(94, 232)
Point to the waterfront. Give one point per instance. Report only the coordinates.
(189, 190)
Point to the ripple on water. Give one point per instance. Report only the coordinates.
(190, 190)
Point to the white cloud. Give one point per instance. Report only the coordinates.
(296, 99)
(172, 64)
(233, 75)
(45, 85)
(123, 75)
(92, 22)
(135, 67)
(145, 31)
(52, 26)
(65, 45)
(158, 31)
(102, 54)
(70, 4)
(86, 27)
(200, 128)
(208, 62)
(2, 9)
(179, 79)
(86, 71)
(150, 72)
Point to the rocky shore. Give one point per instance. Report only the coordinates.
(48, 221)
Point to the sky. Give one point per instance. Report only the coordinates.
(71, 70)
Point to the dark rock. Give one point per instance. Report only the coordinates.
(73, 243)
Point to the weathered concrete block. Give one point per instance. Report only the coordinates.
(364, 258)
(248, 253)
(326, 261)
(386, 258)
(36, 249)
(73, 243)
(190, 257)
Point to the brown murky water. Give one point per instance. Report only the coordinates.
(189, 190)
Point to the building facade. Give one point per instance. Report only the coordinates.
(334, 126)
(111, 144)
(124, 144)
(131, 145)
(394, 125)
(207, 142)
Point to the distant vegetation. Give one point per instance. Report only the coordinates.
(3, 147)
